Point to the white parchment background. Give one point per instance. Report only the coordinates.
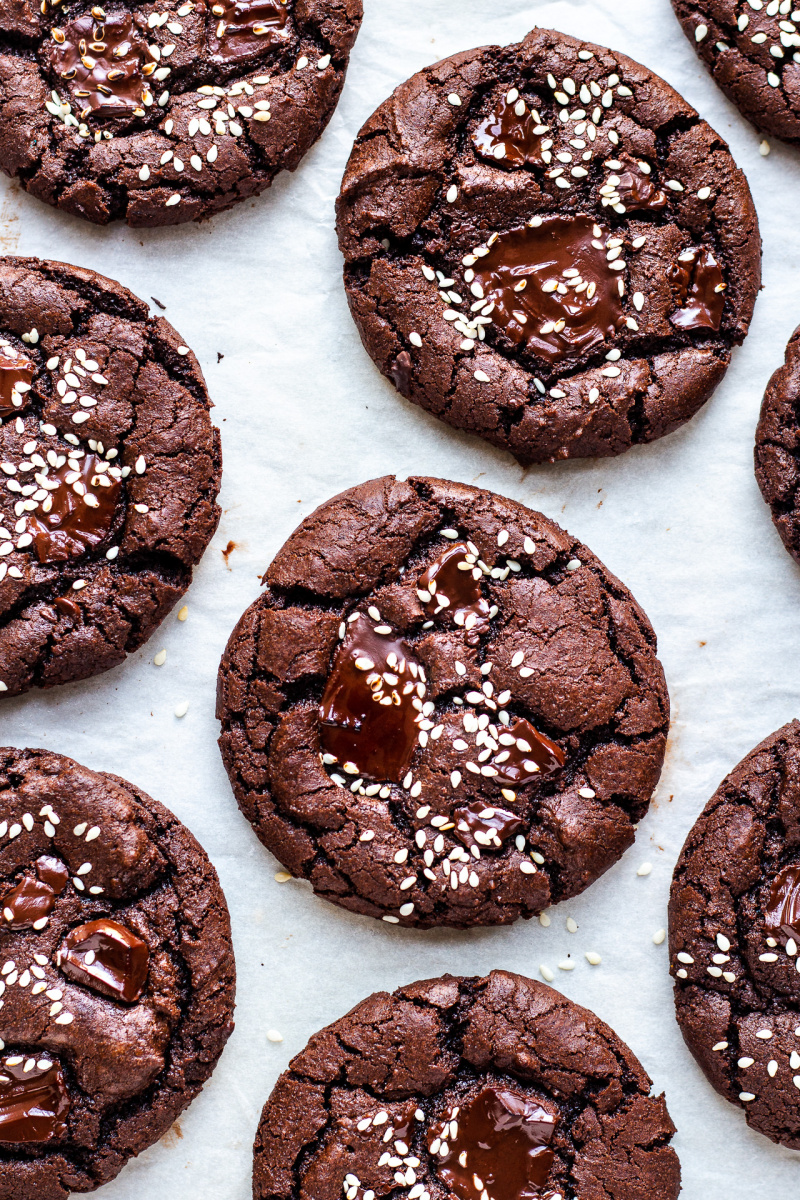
(303, 414)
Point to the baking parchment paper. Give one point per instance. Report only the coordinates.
(257, 293)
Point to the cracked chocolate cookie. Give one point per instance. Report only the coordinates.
(118, 977)
(474, 1089)
(164, 113)
(109, 472)
(752, 48)
(735, 937)
(778, 445)
(544, 245)
(443, 710)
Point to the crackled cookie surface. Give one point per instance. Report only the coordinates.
(752, 48)
(480, 1089)
(546, 246)
(117, 978)
(164, 113)
(777, 449)
(735, 937)
(109, 472)
(443, 710)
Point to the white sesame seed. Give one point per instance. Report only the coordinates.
(182, 709)
(160, 658)
(454, 99)
(659, 937)
(645, 869)
(546, 973)
(700, 32)
(572, 925)
(452, 194)
(593, 958)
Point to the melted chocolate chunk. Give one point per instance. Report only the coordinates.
(16, 376)
(500, 1150)
(104, 64)
(33, 1100)
(635, 188)
(453, 583)
(32, 900)
(699, 290)
(106, 957)
(525, 753)
(371, 705)
(484, 827)
(552, 287)
(81, 513)
(401, 373)
(782, 914)
(242, 27)
(508, 135)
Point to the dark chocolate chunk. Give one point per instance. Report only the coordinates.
(107, 957)
(370, 710)
(511, 135)
(29, 904)
(34, 1103)
(78, 513)
(507, 256)
(782, 914)
(245, 27)
(376, 783)
(734, 937)
(16, 375)
(103, 62)
(453, 586)
(495, 1147)
(550, 287)
(466, 1089)
(699, 288)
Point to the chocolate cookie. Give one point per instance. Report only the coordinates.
(546, 246)
(479, 1089)
(443, 710)
(751, 48)
(118, 977)
(735, 934)
(110, 472)
(159, 114)
(778, 447)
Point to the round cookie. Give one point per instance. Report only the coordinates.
(159, 114)
(118, 977)
(480, 1089)
(110, 472)
(734, 937)
(442, 710)
(777, 447)
(751, 50)
(544, 245)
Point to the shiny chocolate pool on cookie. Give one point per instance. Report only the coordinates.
(498, 1089)
(163, 114)
(557, 254)
(117, 983)
(109, 471)
(443, 710)
(735, 937)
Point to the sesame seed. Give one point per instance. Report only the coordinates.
(454, 99)
(764, 148)
(659, 937)
(572, 925)
(184, 612)
(182, 709)
(544, 920)
(274, 1036)
(645, 869)
(282, 877)
(160, 658)
(546, 973)
(593, 958)
(452, 194)
(700, 32)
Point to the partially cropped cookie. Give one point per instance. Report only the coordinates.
(752, 50)
(544, 245)
(735, 937)
(778, 446)
(110, 472)
(158, 114)
(475, 1089)
(443, 710)
(118, 974)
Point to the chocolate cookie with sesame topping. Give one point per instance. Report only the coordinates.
(544, 245)
(443, 710)
(735, 937)
(117, 984)
(109, 473)
(777, 451)
(163, 113)
(752, 48)
(466, 1089)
